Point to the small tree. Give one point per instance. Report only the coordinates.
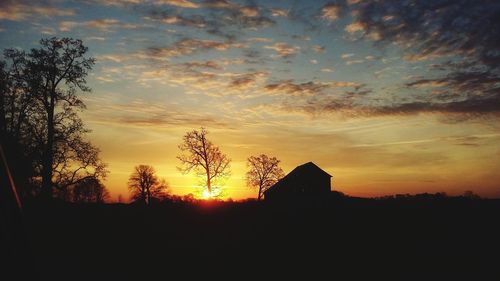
(145, 185)
(469, 194)
(202, 156)
(90, 190)
(264, 172)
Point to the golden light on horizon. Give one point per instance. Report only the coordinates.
(206, 195)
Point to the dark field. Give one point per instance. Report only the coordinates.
(359, 237)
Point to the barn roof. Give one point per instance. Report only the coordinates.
(306, 166)
(298, 170)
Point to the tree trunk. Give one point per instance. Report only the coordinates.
(209, 184)
(260, 193)
(48, 155)
(149, 197)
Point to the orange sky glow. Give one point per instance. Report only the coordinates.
(383, 104)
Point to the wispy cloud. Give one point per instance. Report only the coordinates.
(318, 49)
(188, 46)
(102, 25)
(277, 12)
(346, 56)
(178, 3)
(290, 87)
(284, 50)
(218, 17)
(18, 10)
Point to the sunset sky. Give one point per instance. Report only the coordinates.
(387, 96)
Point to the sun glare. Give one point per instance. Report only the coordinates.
(214, 193)
(206, 194)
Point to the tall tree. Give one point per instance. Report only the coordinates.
(59, 69)
(145, 185)
(38, 115)
(264, 172)
(203, 157)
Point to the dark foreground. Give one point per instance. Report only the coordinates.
(411, 239)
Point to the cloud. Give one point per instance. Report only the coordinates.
(205, 64)
(218, 17)
(95, 38)
(277, 12)
(111, 57)
(208, 77)
(355, 27)
(290, 87)
(192, 21)
(327, 70)
(188, 46)
(313, 61)
(450, 31)
(424, 83)
(103, 25)
(178, 3)
(249, 11)
(124, 3)
(331, 12)
(260, 40)
(182, 47)
(119, 3)
(140, 113)
(355, 106)
(346, 56)
(19, 10)
(351, 62)
(221, 4)
(246, 81)
(353, 2)
(318, 49)
(284, 50)
(471, 108)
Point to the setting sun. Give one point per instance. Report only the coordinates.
(206, 195)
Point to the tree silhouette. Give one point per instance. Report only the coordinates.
(38, 115)
(264, 172)
(469, 194)
(145, 185)
(90, 190)
(59, 62)
(203, 157)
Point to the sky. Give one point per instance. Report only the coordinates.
(387, 96)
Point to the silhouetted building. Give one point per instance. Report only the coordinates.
(307, 180)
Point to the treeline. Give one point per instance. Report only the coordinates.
(468, 194)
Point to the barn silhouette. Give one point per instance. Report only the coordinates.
(307, 180)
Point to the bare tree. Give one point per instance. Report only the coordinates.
(145, 185)
(203, 157)
(264, 172)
